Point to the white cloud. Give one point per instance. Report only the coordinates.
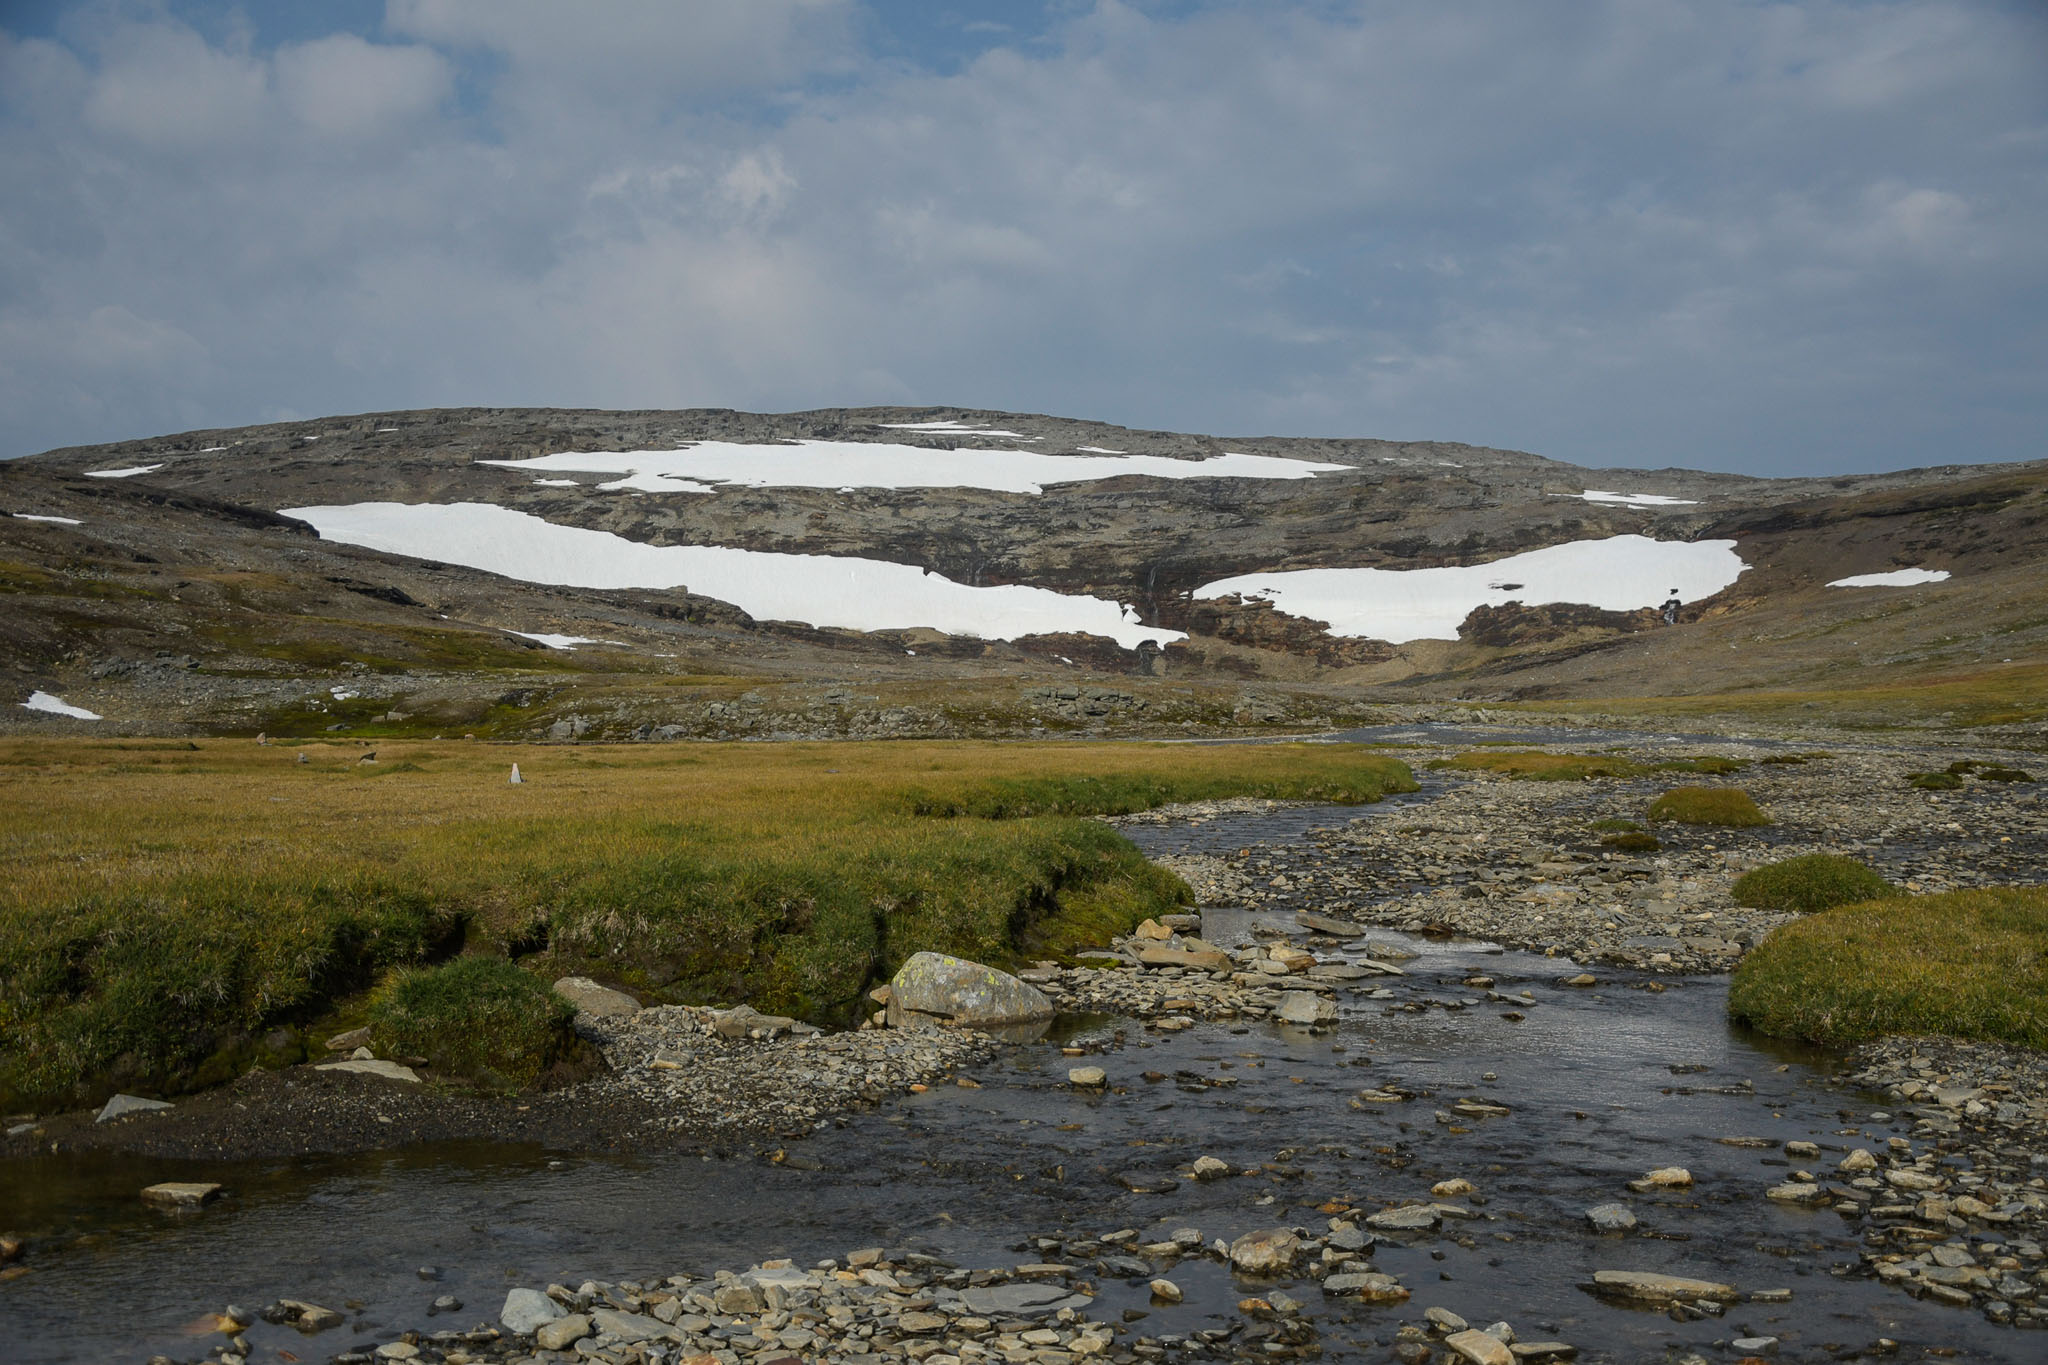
(1639, 233)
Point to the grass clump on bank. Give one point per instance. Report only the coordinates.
(165, 906)
(1534, 765)
(1729, 806)
(478, 1017)
(1818, 881)
(1966, 964)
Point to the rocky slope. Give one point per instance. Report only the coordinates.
(179, 597)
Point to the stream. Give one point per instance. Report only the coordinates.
(1603, 1084)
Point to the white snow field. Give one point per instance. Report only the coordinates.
(865, 464)
(59, 521)
(951, 427)
(822, 590)
(1620, 573)
(1633, 499)
(128, 473)
(1897, 578)
(559, 641)
(57, 706)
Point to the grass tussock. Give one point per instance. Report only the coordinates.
(482, 1018)
(1818, 881)
(1967, 964)
(1534, 765)
(1729, 806)
(165, 905)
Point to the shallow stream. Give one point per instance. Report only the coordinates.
(1603, 1085)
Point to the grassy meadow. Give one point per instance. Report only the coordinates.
(169, 902)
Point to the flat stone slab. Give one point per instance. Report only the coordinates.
(1021, 1300)
(628, 1327)
(526, 1309)
(181, 1194)
(1644, 1286)
(590, 998)
(121, 1105)
(373, 1066)
(1335, 928)
(1479, 1348)
(1414, 1218)
(1200, 959)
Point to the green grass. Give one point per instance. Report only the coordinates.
(1967, 964)
(1818, 881)
(1534, 765)
(481, 1018)
(164, 906)
(1708, 806)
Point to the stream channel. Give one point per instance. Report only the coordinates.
(1604, 1084)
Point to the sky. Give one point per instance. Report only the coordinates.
(1794, 237)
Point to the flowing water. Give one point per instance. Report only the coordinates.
(1604, 1084)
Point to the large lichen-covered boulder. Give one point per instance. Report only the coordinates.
(957, 991)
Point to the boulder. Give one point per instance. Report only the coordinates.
(1306, 1007)
(562, 1333)
(590, 998)
(1610, 1218)
(527, 1309)
(121, 1105)
(1479, 1348)
(1269, 1251)
(964, 993)
(181, 1194)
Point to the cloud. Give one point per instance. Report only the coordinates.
(1645, 232)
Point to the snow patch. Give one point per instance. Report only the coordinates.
(867, 464)
(561, 641)
(1098, 450)
(127, 473)
(950, 427)
(57, 706)
(553, 483)
(208, 450)
(821, 590)
(59, 521)
(1897, 578)
(1632, 499)
(1620, 573)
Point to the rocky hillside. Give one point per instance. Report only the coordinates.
(430, 570)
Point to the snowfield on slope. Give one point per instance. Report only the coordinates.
(868, 464)
(820, 590)
(57, 706)
(1897, 578)
(1620, 573)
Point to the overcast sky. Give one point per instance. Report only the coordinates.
(1797, 237)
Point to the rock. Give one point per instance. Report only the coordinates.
(309, 1317)
(744, 1021)
(1668, 1178)
(1643, 1286)
(1021, 1300)
(1798, 1192)
(1306, 1007)
(1582, 979)
(1199, 959)
(181, 1194)
(1543, 1350)
(1165, 1291)
(10, 1249)
(634, 1327)
(372, 1066)
(1755, 1346)
(446, 1303)
(1411, 1218)
(349, 1041)
(1610, 1218)
(1293, 959)
(1479, 1348)
(1322, 924)
(1152, 929)
(590, 998)
(1858, 1160)
(397, 1350)
(737, 1298)
(1209, 1168)
(1268, 1251)
(1445, 1320)
(1452, 1189)
(562, 1333)
(963, 993)
(1368, 1286)
(121, 1105)
(526, 1309)
(1087, 1077)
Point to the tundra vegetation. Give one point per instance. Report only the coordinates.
(171, 903)
(1968, 964)
(1729, 806)
(1536, 765)
(1817, 881)
(477, 1016)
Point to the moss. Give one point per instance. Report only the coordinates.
(1632, 843)
(481, 1018)
(1534, 765)
(1966, 964)
(1934, 782)
(1730, 806)
(1818, 881)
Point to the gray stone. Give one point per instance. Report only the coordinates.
(121, 1105)
(527, 1309)
(562, 1333)
(1306, 1007)
(1480, 1348)
(1610, 1218)
(1087, 1077)
(309, 1317)
(590, 998)
(372, 1066)
(1021, 1300)
(183, 1194)
(1166, 1291)
(1323, 924)
(632, 1327)
(1413, 1218)
(1268, 1251)
(964, 993)
(1648, 1287)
